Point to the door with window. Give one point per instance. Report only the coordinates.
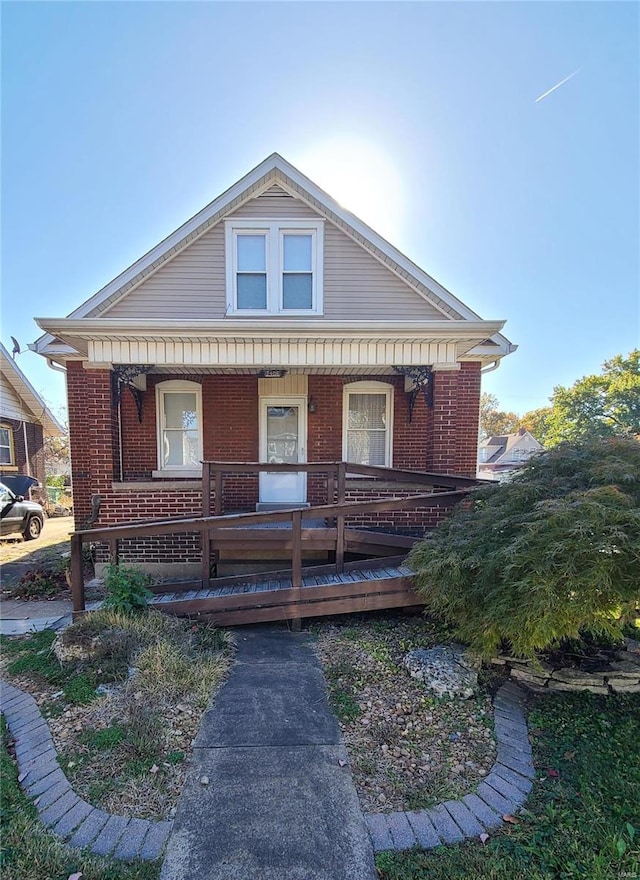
(283, 440)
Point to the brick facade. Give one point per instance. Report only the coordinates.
(442, 439)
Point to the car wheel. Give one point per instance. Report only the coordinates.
(33, 529)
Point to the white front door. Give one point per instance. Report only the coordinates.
(283, 439)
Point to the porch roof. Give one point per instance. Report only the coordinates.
(237, 343)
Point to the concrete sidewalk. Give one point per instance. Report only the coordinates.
(280, 802)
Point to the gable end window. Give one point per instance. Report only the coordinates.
(274, 267)
(368, 423)
(179, 422)
(7, 455)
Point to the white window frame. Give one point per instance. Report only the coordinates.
(177, 386)
(368, 388)
(12, 450)
(274, 232)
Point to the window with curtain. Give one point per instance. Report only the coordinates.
(179, 408)
(6, 445)
(367, 429)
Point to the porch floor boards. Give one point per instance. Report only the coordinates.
(319, 594)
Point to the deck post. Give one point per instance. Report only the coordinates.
(218, 491)
(77, 576)
(340, 543)
(296, 565)
(114, 551)
(206, 488)
(342, 481)
(296, 560)
(205, 543)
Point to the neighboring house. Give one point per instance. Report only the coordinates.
(500, 456)
(25, 420)
(272, 326)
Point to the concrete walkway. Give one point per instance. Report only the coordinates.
(270, 795)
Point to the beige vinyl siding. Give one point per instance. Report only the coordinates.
(356, 284)
(11, 407)
(191, 285)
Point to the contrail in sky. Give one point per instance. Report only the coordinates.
(557, 85)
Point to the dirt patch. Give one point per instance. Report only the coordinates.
(49, 551)
(408, 749)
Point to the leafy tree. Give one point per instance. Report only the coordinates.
(595, 406)
(492, 420)
(56, 450)
(537, 422)
(548, 556)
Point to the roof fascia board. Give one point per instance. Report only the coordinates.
(74, 327)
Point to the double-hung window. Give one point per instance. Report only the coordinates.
(274, 267)
(367, 423)
(6, 445)
(179, 419)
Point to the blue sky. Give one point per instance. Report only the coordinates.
(121, 120)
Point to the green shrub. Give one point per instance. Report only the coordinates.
(126, 589)
(549, 556)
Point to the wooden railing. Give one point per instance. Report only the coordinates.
(449, 489)
(214, 473)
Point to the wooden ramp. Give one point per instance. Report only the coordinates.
(359, 589)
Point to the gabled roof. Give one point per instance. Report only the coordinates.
(29, 397)
(275, 169)
(501, 446)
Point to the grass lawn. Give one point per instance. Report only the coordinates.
(29, 852)
(583, 816)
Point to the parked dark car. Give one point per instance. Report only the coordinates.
(18, 516)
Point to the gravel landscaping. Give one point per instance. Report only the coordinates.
(408, 749)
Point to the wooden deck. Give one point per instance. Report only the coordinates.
(361, 589)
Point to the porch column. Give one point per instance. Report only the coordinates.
(92, 427)
(443, 454)
(453, 446)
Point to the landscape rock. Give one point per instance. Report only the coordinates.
(447, 670)
(625, 669)
(578, 677)
(555, 685)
